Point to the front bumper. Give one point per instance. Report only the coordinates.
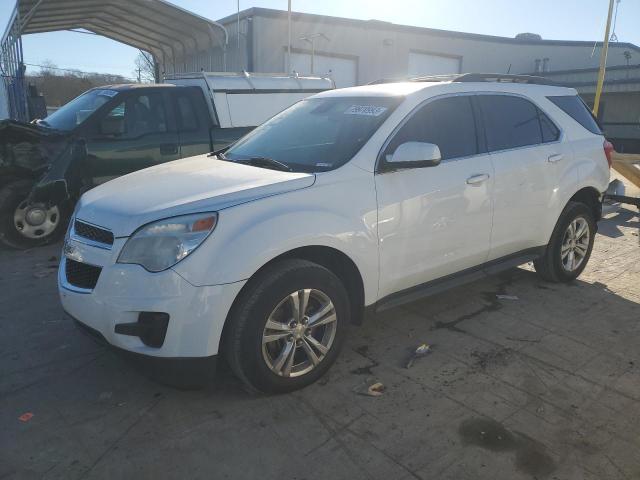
(122, 292)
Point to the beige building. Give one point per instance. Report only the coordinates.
(356, 52)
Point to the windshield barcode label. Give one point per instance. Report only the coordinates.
(367, 110)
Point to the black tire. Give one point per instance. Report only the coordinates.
(11, 196)
(550, 266)
(247, 320)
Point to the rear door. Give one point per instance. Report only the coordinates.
(193, 121)
(528, 160)
(136, 133)
(435, 221)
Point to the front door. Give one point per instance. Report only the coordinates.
(136, 133)
(435, 221)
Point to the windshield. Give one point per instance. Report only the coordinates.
(78, 110)
(316, 134)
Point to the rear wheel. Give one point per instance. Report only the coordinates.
(570, 246)
(288, 327)
(24, 224)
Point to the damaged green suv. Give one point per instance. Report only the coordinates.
(46, 165)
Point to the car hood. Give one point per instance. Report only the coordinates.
(191, 185)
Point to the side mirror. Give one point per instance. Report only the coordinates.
(414, 155)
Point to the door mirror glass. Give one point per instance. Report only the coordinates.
(414, 155)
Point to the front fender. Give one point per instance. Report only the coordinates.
(250, 235)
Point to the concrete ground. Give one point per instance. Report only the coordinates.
(544, 385)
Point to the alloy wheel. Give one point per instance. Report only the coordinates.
(575, 244)
(299, 333)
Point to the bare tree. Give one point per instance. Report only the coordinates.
(48, 68)
(145, 70)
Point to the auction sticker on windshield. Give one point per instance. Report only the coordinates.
(107, 93)
(366, 110)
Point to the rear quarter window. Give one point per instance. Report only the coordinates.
(573, 106)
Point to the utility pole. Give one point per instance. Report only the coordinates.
(603, 61)
(139, 75)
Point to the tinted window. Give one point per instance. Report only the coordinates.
(510, 122)
(78, 110)
(138, 115)
(448, 123)
(573, 106)
(550, 132)
(187, 120)
(316, 134)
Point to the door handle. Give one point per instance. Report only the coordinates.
(169, 149)
(555, 158)
(478, 179)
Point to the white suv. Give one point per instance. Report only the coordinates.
(349, 202)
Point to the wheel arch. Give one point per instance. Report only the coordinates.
(334, 260)
(591, 197)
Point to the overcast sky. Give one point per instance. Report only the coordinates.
(553, 19)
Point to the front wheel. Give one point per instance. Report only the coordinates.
(26, 225)
(570, 246)
(287, 327)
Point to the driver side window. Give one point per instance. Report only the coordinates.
(136, 116)
(448, 123)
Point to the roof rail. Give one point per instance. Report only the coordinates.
(504, 77)
(473, 77)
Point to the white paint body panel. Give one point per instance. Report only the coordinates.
(250, 99)
(400, 228)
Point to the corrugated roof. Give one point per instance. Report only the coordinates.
(168, 32)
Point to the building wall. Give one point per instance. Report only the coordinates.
(381, 50)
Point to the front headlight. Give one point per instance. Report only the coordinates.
(160, 245)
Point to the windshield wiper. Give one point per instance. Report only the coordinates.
(266, 162)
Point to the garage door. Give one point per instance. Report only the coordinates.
(430, 64)
(342, 70)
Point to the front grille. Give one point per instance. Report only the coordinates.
(82, 275)
(92, 232)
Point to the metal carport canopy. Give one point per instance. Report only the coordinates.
(169, 33)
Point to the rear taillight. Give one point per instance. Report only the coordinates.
(608, 152)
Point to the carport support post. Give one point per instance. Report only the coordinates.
(289, 42)
(603, 61)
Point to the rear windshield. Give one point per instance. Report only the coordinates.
(573, 106)
(316, 134)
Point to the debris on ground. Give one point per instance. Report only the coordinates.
(25, 417)
(507, 297)
(422, 351)
(375, 390)
(42, 274)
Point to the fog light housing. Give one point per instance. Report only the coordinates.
(151, 328)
